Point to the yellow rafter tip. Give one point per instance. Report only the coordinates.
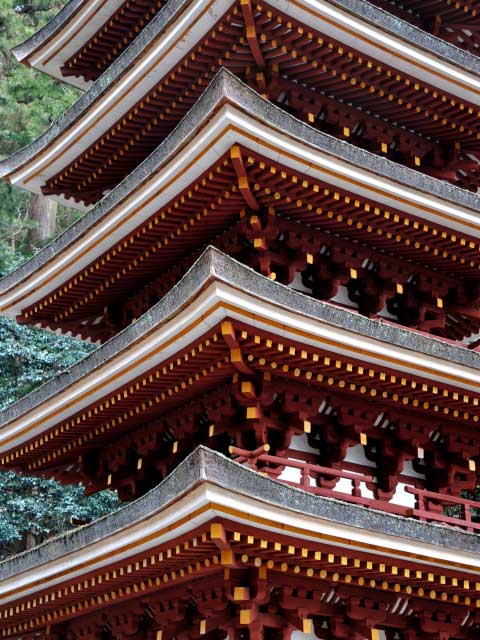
(245, 616)
(226, 557)
(253, 413)
(217, 531)
(226, 327)
(307, 626)
(241, 593)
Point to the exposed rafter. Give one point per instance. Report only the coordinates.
(318, 79)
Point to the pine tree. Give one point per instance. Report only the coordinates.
(32, 509)
(29, 102)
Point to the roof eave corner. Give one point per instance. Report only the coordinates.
(37, 40)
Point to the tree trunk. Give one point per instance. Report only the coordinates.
(30, 541)
(42, 213)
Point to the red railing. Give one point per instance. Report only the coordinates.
(429, 506)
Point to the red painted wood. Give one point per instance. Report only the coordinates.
(151, 429)
(278, 584)
(455, 22)
(338, 241)
(361, 100)
(427, 502)
(111, 39)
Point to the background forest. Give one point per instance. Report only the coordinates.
(31, 509)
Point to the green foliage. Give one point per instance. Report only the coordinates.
(30, 357)
(29, 102)
(31, 509)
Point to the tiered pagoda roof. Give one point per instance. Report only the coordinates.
(389, 234)
(419, 112)
(280, 252)
(201, 366)
(453, 21)
(196, 558)
(83, 40)
(208, 539)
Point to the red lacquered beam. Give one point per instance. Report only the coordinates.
(421, 512)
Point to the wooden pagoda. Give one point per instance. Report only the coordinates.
(279, 261)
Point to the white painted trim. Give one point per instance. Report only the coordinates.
(70, 38)
(318, 14)
(287, 150)
(115, 102)
(154, 348)
(110, 549)
(385, 46)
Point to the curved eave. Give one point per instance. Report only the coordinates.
(49, 48)
(410, 33)
(165, 41)
(210, 486)
(230, 113)
(217, 287)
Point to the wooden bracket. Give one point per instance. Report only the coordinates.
(251, 33)
(243, 182)
(236, 356)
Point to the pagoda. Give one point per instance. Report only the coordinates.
(278, 260)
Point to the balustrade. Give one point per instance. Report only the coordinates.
(429, 506)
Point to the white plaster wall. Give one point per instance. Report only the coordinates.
(342, 299)
(355, 455)
(299, 635)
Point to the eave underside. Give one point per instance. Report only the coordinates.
(217, 389)
(111, 39)
(246, 580)
(455, 22)
(84, 39)
(320, 80)
(68, 47)
(172, 409)
(281, 223)
(230, 570)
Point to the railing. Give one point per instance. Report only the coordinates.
(429, 506)
(428, 501)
